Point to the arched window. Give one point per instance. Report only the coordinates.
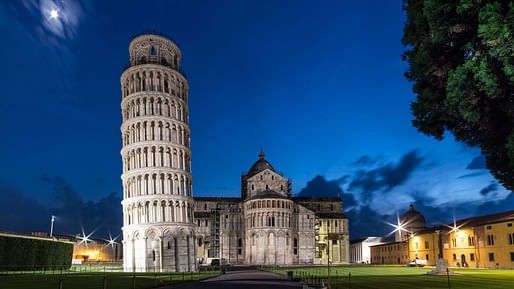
(169, 245)
(154, 52)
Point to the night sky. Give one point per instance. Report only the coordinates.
(319, 86)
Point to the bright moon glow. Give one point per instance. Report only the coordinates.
(54, 14)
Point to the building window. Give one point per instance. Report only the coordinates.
(511, 239)
(454, 242)
(417, 245)
(489, 227)
(240, 246)
(454, 257)
(509, 225)
(206, 223)
(426, 257)
(295, 246)
(426, 246)
(334, 242)
(512, 256)
(153, 255)
(253, 187)
(169, 245)
(472, 257)
(205, 207)
(491, 257)
(198, 223)
(471, 240)
(200, 243)
(490, 240)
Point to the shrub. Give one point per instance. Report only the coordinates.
(23, 252)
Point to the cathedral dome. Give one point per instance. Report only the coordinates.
(259, 166)
(413, 218)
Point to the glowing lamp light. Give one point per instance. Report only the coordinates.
(54, 14)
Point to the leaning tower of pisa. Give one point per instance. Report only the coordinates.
(158, 229)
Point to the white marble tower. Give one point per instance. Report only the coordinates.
(158, 229)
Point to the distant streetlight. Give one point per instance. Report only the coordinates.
(52, 226)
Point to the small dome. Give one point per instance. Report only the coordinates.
(259, 166)
(413, 218)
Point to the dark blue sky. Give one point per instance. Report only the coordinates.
(319, 86)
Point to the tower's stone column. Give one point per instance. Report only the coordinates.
(158, 229)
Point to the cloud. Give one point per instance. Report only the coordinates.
(385, 177)
(19, 213)
(364, 160)
(489, 189)
(498, 206)
(473, 174)
(320, 187)
(103, 216)
(478, 163)
(366, 222)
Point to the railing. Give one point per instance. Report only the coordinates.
(158, 62)
(89, 277)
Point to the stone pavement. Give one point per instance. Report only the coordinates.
(246, 280)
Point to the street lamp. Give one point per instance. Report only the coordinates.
(52, 225)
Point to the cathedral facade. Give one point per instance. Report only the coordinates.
(267, 226)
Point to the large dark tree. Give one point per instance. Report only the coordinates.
(461, 60)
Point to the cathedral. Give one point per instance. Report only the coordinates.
(164, 227)
(267, 226)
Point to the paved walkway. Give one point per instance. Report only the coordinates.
(246, 280)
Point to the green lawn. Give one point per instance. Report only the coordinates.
(94, 280)
(384, 277)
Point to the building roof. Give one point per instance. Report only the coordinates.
(473, 222)
(269, 194)
(317, 199)
(218, 199)
(331, 216)
(390, 243)
(199, 215)
(259, 166)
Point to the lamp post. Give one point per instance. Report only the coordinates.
(52, 226)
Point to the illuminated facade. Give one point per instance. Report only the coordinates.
(158, 229)
(267, 226)
(479, 242)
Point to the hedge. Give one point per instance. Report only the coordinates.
(19, 252)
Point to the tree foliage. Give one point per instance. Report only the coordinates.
(461, 60)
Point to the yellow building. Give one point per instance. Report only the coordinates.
(332, 238)
(390, 253)
(480, 242)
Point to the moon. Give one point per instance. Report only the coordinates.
(54, 14)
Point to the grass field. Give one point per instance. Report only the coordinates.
(94, 280)
(385, 277)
